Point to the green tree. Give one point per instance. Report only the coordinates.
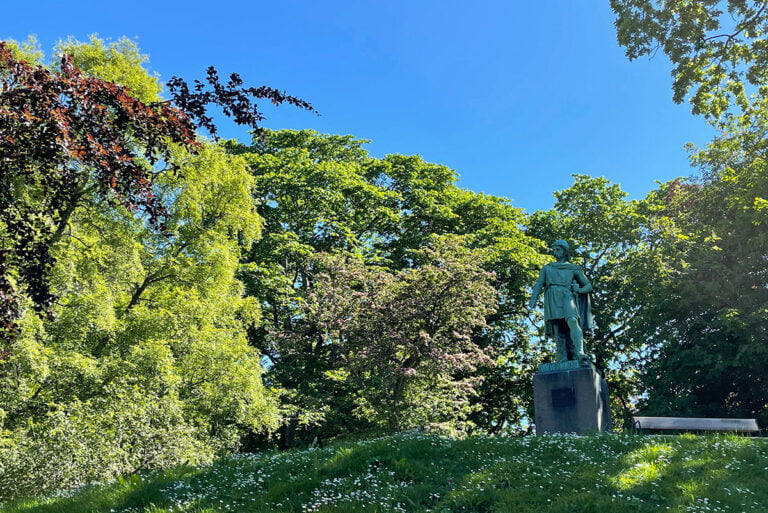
(149, 344)
(716, 47)
(709, 312)
(322, 193)
(146, 362)
(28, 50)
(119, 62)
(428, 202)
(404, 337)
(710, 316)
(313, 197)
(65, 136)
(68, 136)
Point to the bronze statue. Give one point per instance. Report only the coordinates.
(567, 310)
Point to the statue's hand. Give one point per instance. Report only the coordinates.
(531, 305)
(575, 288)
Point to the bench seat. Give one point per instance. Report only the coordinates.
(694, 424)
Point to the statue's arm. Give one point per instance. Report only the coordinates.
(584, 282)
(537, 289)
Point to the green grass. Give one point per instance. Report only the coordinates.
(421, 473)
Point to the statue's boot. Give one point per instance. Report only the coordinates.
(578, 340)
(579, 349)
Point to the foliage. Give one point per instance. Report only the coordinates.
(712, 315)
(119, 62)
(708, 320)
(421, 473)
(126, 429)
(68, 136)
(145, 320)
(717, 48)
(403, 337)
(234, 100)
(323, 193)
(145, 362)
(28, 50)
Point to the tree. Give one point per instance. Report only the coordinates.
(405, 338)
(145, 363)
(428, 203)
(119, 62)
(67, 136)
(324, 193)
(709, 320)
(716, 48)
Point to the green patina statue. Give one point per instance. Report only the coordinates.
(567, 310)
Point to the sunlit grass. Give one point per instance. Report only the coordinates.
(644, 465)
(422, 473)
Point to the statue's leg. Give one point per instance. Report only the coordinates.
(570, 350)
(577, 337)
(559, 336)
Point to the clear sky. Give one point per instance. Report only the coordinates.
(515, 95)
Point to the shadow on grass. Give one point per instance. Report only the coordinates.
(133, 491)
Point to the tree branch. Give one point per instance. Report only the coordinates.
(741, 26)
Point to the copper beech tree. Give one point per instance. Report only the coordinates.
(65, 137)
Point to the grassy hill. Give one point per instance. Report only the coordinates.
(422, 473)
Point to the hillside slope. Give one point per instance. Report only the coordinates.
(423, 473)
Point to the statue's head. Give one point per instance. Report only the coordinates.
(561, 249)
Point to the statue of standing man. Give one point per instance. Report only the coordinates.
(567, 310)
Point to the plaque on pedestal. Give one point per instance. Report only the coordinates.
(570, 397)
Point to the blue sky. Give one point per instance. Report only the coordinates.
(516, 96)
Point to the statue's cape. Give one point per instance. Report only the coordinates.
(585, 312)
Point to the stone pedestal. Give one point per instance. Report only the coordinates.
(570, 398)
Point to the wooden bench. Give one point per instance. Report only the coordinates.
(693, 424)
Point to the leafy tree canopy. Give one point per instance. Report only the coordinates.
(325, 194)
(708, 316)
(146, 362)
(717, 48)
(67, 135)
